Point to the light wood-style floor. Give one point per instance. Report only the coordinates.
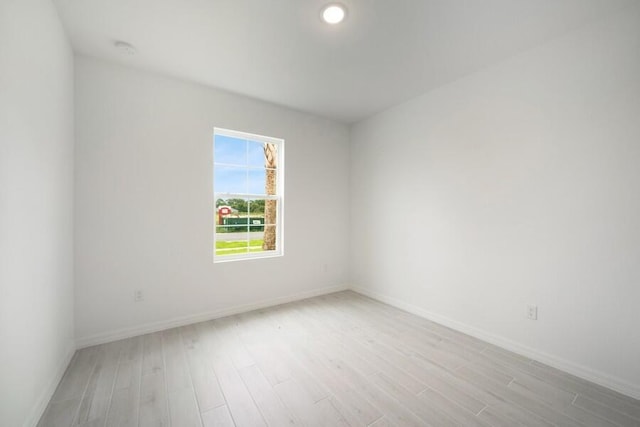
(336, 360)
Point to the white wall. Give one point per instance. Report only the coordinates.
(518, 184)
(36, 207)
(144, 204)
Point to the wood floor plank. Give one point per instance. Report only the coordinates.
(332, 336)
(393, 409)
(519, 399)
(517, 415)
(434, 354)
(97, 396)
(340, 380)
(154, 403)
(326, 414)
(175, 362)
(316, 390)
(578, 414)
(426, 338)
(152, 360)
(455, 391)
(423, 408)
(610, 398)
(183, 408)
(463, 392)
(60, 413)
(270, 405)
(227, 329)
(424, 373)
(382, 422)
(283, 351)
(262, 344)
(125, 401)
(367, 351)
(217, 417)
(496, 371)
(595, 391)
(423, 324)
(203, 378)
(454, 411)
(534, 387)
(75, 379)
(310, 413)
(239, 401)
(495, 419)
(606, 412)
(444, 357)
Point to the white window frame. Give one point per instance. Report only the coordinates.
(279, 251)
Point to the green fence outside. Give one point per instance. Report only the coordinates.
(236, 225)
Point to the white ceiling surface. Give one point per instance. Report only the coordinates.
(385, 52)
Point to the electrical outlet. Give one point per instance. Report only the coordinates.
(532, 312)
(138, 296)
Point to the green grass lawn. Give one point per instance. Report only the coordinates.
(239, 247)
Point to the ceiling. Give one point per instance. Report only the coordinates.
(385, 52)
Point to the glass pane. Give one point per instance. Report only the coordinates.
(231, 232)
(255, 153)
(256, 207)
(257, 238)
(256, 224)
(235, 208)
(230, 150)
(257, 181)
(230, 180)
(255, 241)
(231, 242)
(236, 222)
(226, 208)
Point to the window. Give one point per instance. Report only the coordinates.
(248, 178)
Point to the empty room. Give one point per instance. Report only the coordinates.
(316, 213)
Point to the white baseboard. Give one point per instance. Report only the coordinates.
(605, 380)
(41, 404)
(201, 317)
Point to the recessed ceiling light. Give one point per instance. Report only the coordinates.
(333, 13)
(124, 47)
